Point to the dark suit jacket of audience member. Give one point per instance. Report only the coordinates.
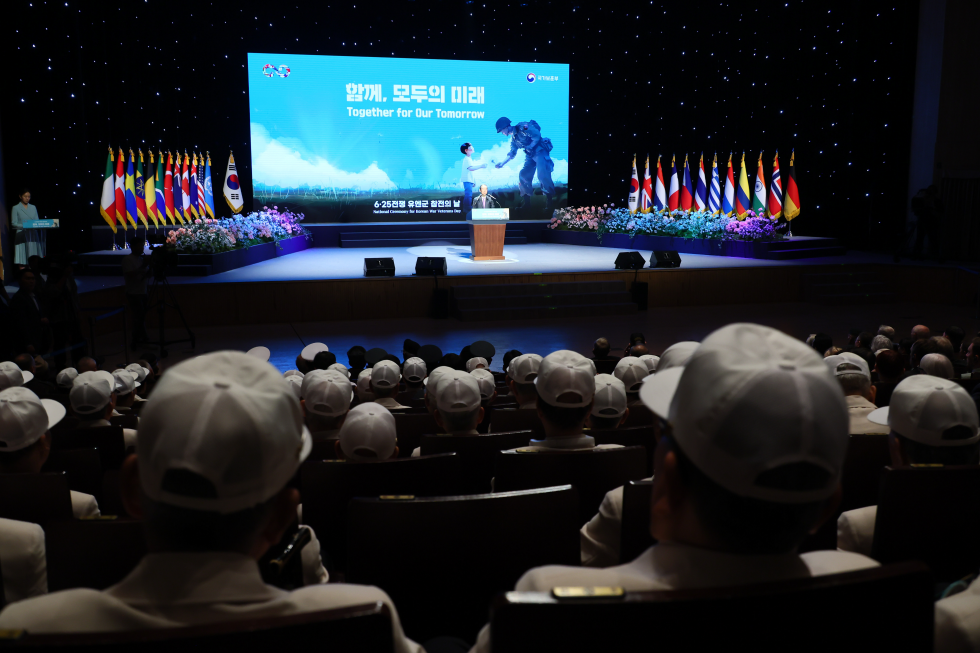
(11, 339)
(28, 314)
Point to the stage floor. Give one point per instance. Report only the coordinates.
(540, 258)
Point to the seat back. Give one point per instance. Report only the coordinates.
(635, 535)
(605, 366)
(95, 553)
(516, 419)
(409, 428)
(363, 628)
(442, 559)
(824, 613)
(107, 439)
(83, 467)
(930, 514)
(324, 450)
(329, 485)
(593, 472)
(630, 436)
(127, 420)
(639, 415)
(38, 498)
(476, 455)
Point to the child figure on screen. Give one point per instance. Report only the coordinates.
(467, 177)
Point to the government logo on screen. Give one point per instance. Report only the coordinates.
(272, 71)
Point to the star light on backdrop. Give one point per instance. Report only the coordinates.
(831, 79)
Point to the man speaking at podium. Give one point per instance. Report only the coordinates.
(484, 200)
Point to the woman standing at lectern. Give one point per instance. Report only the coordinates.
(27, 242)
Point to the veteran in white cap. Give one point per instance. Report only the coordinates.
(368, 434)
(326, 401)
(458, 405)
(385, 376)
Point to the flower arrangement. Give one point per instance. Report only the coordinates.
(685, 224)
(210, 236)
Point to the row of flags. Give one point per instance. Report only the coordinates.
(178, 192)
(689, 195)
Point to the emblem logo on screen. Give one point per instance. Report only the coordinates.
(531, 78)
(271, 71)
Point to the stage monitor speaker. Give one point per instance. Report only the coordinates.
(379, 267)
(431, 266)
(630, 261)
(666, 258)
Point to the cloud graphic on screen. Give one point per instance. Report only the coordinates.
(505, 177)
(276, 164)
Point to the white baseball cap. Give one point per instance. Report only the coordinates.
(141, 372)
(677, 354)
(842, 365)
(937, 365)
(364, 385)
(650, 361)
(749, 400)
(475, 363)
(91, 392)
(923, 407)
(368, 429)
(524, 368)
(458, 392)
(292, 373)
(262, 353)
(311, 350)
(327, 393)
(230, 419)
(414, 370)
(295, 384)
(66, 377)
(566, 372)
(385, 374)
(610, 396)
(484, 378)
(12, 376)
(124, 382)
(341, 368)
(433, 377)
(24, 418)
(631, 371)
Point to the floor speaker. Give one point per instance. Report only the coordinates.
(430, 266)
(630, 261)
(379, 267)
(666, 258)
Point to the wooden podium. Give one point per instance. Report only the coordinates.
(487, 234)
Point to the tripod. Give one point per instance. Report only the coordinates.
(163, 297)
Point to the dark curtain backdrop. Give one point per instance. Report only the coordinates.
(831, 79)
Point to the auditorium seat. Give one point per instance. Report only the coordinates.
(476, 455)
(629, 436)
(639, 415)
(324, 450)
(409, 428)
(107, 439)
(635, 535)
(110, 502)
(127, 421)
(605, 366)
(514, 419)
(363, 628)
(68, 424)
(930, 514)
(95, 553)
(886, 608)
(38, 498)
(593, 472)
(442, 559)
(328, 486)
(83, 467)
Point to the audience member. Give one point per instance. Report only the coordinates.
(430, 355)
(25, 567)
(341, 368)
(650, 361)
(631, 371)
(355, 358)
(484, 350)
(600, 350)
(385, 376)
(477, 363)
(368, 434)
(741, 479)
(295, 384)
(971, 357)
(125, 389)
(931, 421)
(323, 360)
(30, 315)
(833, 351)
(363, 387)
(881, 343)
(65, 378)
(521, 373)
(207, 516)
(920, 332)
(822, 342)
(93, 401)
(458, 402)
(889, 368)
(326, 402)
(37, 385)
(639, 349)
(431, 384)
(609, 409)
(488, 387)
(410, 349)
(887, 331)
(863, 340)
(937, 365)
(11, 376)
(304, 362)
(413, 372)
(142, 376)
(955, 335)
(855, 380)
(852, 335)
(509, 356)
(87, 364)
(677, 354)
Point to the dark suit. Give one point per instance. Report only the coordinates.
(28, 312)
(483, 202)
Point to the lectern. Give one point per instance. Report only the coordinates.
(488, 229)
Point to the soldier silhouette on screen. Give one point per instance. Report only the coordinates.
(527, 135)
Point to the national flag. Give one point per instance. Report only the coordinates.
(742, 202)
(791, 205)
(775, 190)
(728, 202)
(659, 195)
(107, 205)
(161, 202)
(192, 182)
(168, 190)
(140, 191)
(646, 196)
(178, 193)
(687, 197)
(714, 196)
(674, 190)
(208, 189)
(701, 196)
(120, 189)
(200, 188)
(634, 196)
(150, 191)
(759, 198)
(185, 189)
(130, 184)
(232, 190)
